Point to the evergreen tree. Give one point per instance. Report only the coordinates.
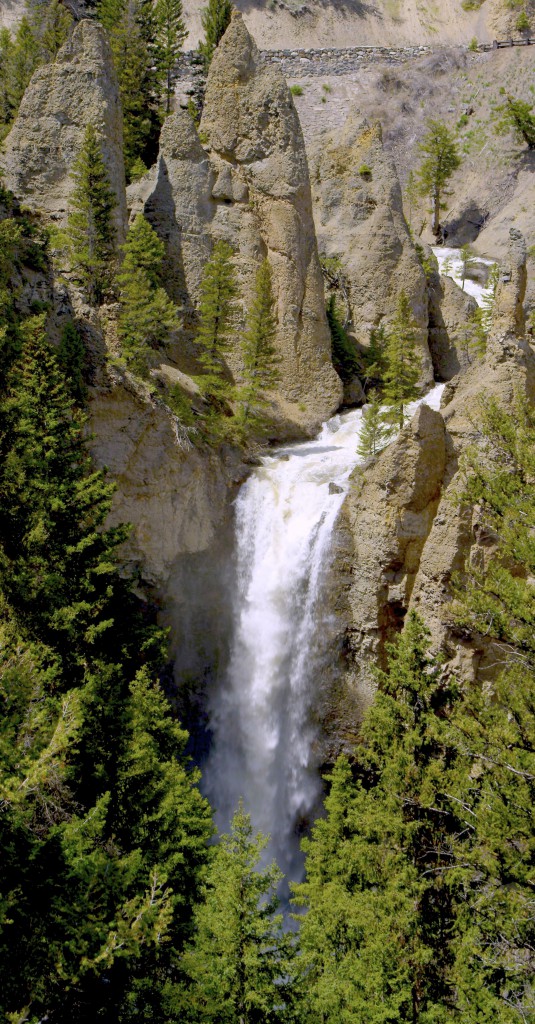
(23, 59)
(147, 313)
(374, 939)
(110, 12)
(441, 159)
(517, 115)
(90, 227)
(403, 363)
(260, 360)
(103, 833)
(344, 357)
(6, 107)
(215, 21)
(373, 434)
(132, 31)
(51, 23)
(170, 35)
(216, 320)
(467, 262)
(71, 358)
(374, 357)
(238, 964)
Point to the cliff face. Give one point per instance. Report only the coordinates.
(402, 534)
(359, 218)
(78, 89)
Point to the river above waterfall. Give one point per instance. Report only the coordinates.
(450, 264)
(261, 716)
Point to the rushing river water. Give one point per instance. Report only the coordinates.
(263, 729)
(450, 263)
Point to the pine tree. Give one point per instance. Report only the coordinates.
(71, 358)
(374, 358)
(441, 159)
(215, 21)
(23, 59)
(132, 31)
(260, 360)
(467, 262)
(403, 363)
(344, 357)
(216, 319)
(516, 115)
(238, 963)
(374, 937)
(51, 23)
(90, 227)
(6, 107)
(147, 313)
(373, 434)
(170, 35)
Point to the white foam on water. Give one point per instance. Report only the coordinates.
(262, 715)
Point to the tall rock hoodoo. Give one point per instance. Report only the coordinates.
(359, 219)
(77, 89)
(248, 184)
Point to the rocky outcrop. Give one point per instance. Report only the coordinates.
(176, 197)
(403, 534)
(78, 89)
(178, 498)
(385, 522)
(359, 218)
(450, 309)
(248, 184)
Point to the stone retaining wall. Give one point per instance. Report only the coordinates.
(327, 61)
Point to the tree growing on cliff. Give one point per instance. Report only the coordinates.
(238, 964)
(217, 312)
(90, 228)
(440, 159)
(374, 937)
(516, 115)
(169, 38)
(260, 360)
(403, 364)
(147, 314)
(373, 433)
(132, 33)
(215, 21)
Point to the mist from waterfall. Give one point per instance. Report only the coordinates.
(262, 715)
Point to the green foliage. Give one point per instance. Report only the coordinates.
(403, 363)
(468, 260)
(215, 21)
(53, 29)
(132, 37)
(217, 312)
(90, 229)
(374, 359)
(260, 359)
(522, 23)
(138, 169)
(296, 90)
(516, 115)
(71, 358)
(239, 962)
(170, 35)
(473, 44)
(427, 260)
(440, 159)
(378, 911)
(147, 313)
(365, 171)
(103, 837)
(344, 357)
(499, 478)
(23, 59)
(374, 433)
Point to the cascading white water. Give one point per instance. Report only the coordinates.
(261, 717)
(450, 263)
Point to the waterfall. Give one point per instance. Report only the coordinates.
(450, 264)
(262, 714)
